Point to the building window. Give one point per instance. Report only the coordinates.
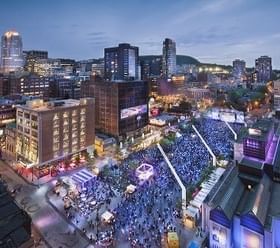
(34, 118)
(55, 146)
(66, 114)
(55, 117)
(74, 113)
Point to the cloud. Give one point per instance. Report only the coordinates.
(98, 39)
(215, 30)
(96, 34)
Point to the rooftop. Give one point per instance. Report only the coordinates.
(273, 209)
(11, 33)
(228, 194)
(260, 129)
(256, 200)
(252, 163)
(233, 197)
(39, 105)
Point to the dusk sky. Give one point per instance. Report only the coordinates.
(215, 31)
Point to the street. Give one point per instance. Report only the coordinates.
(55, 229)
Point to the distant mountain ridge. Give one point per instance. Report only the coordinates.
(185, 60)
(181, 59)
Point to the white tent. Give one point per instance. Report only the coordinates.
(130, 188)
(107, 216)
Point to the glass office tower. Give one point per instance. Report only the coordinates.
(168, 58)
(11, 52)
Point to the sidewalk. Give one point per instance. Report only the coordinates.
(34, 181)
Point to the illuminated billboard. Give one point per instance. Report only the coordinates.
(254, 131)
(133, 111)
(251, 239)
(219, 236)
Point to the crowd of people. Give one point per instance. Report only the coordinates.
(189, 156)
(218, 136)
(144, 216)
(85, 208)
(153, 209)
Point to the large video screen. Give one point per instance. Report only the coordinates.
(227, 116)
(137, 110)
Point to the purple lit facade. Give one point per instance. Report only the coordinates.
(257, 147)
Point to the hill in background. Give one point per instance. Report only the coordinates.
(181, 59)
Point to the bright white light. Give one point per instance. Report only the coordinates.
(144, 172)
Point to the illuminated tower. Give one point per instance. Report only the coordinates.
(11, 52)
(168, 58)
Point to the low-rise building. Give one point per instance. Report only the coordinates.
(197, 94)
(243, 209)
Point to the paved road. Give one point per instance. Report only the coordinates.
(54, 228)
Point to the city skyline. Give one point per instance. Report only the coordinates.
(216, 32)
(140, 123)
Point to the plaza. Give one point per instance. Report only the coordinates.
(139, 198)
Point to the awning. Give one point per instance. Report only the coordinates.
(83, 176)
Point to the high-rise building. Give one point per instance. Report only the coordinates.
(121, 63)
(168, 58)
(11, 52)
(239, 69)
(263, 68)
(121, 107)
(48, 132)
